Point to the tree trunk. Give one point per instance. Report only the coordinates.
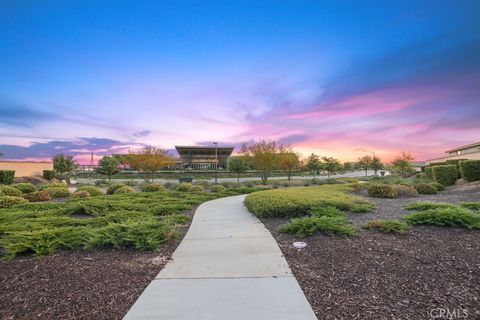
(366, 172)
(238, 177)
(289, 174)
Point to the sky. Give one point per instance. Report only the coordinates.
(331, 77)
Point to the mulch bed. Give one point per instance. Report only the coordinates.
(388, 276)
(97, 284)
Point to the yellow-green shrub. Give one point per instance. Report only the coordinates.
(382, 191)
(92, 190)
(10, 191)
(25, 187)
(37, 196)
(10, 201)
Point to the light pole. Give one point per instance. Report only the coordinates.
(216, 161)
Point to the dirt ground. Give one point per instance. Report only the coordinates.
(388, 276)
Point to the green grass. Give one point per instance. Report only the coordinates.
(139, 220)
(307, 226)
(297, 202)
(387, 226)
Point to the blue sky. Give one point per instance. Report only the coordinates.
(328, 77)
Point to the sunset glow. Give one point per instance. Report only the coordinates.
(333, 78)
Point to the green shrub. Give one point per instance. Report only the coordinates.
(48, 174)
(184, 186)
(152, 187)
(7, 176)
(10, 191)
(405, 191)
(125, 189)
(437, 186)
(57, 192)
(451, 217)
(37, 196)
(382, 191)
(102, 183)
(425, 188)
(428, 171)
(217, 188)
(51, 185)
(303, 227)
(115, 187)
(388, 226)
(326, 212)
(471, 205)
(422, 206)
(81, 194)
(197, 188)
(10, 201)
(362, 208)
(445, 175)
(93, 191)
(470, 170)
(298, 202)
(25, 187)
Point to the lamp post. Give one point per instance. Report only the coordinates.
(216, 162)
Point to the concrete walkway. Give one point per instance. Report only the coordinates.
(228, 266)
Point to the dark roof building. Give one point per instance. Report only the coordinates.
(203, 158)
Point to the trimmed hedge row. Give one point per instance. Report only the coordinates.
(7, 176)
(48, 174)
(470, 170)
(445, 175)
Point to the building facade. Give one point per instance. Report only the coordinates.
(467, 152)
(203, 158)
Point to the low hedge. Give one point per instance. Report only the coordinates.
(153, 187)
(124, 189)
(445, 175)
(382, 191)
(447, 217)
(115, 187)
(92, 190)
(217, 188)
(25, 187)
(405, 191)
(7, 176)
(10, 201)
(197, 188)
(425, 188)
(470, 170)
(37, 196)
(81, 194)
(58, 192)
(48, 174)
(51, 185)
(437, 186)
(10, 191)
(297, 202)
(184, 186)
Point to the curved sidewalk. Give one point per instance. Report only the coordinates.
(228, 266)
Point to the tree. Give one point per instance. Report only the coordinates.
(64, 164)
(313, 164)
(330, 164)
(288, 161)
(365, 163)
(263, 156)
(376, 164)
(237, 165)
(122, 159)
(348, 166)
(108, 166)
(149, 160)
(402, 165)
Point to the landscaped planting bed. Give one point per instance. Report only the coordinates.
(93, 264)
(388, 269)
